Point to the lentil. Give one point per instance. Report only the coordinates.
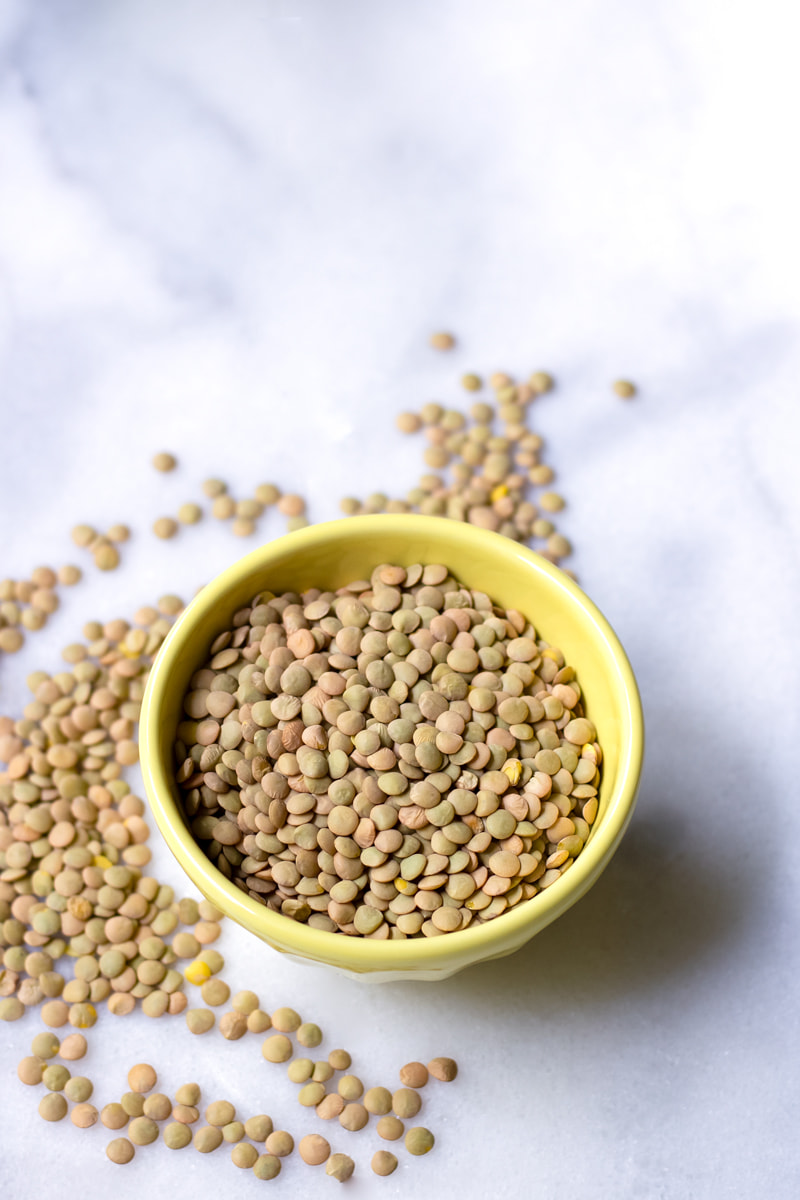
(384, 1162)
(314, 1149)
(444, 1069)
(419, 1140)
(53, 1107)
(340, 1166)
(258, 1128)
(207, 1139)
(414, 1075)
(84, 1116)
(390, 1128)
(120, 1150)
(164, 461)
(176, 1135)
(266, 1166)
(244, 1155)
(280, 1143)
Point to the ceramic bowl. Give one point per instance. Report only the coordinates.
(328, 556)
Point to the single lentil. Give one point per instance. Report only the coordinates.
(120, 1150)
(314, 1149)
(419, 1140)
(384, 1162)
(340, 1166)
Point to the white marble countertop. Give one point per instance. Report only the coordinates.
(227, 230)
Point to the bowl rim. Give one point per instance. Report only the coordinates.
(366, 954)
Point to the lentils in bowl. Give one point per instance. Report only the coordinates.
(368, 744)
(394, 758)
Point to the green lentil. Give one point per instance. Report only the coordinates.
(176, 1135)
(419, 1140)
(142, 1131)
(340, 1166)
(188, 1093)
(378, 1100)
(233, 1131)
(258, 1128)
(266, 1166)
(157, 1106)
(53, 1107)
(55, 1077)
(207, 1139)
(277, 1049)
(78, 1089)
(220, 1112)
(199, 1020)
(133, 1103)
(45, 1045)
(244, 1155)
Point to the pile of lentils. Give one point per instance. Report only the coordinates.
(398, 758)
(73, 893)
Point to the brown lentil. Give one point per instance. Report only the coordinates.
(314, 1149)
(120, 1150)
(384, 1162)
(444, 1069)
(163, 461)
(390, 1128)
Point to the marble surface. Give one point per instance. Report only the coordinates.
(227, 230)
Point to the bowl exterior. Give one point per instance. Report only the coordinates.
(328, 556)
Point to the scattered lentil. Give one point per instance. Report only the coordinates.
(280, 1143)
(419, 1140)
(164, 461)
(266, 1166)
(390, 1128)
(314, 1149)
(384, 1162)
(244, 1155)
(53, 1107)
(414, 1075)
(84, 1116)
(120, 1150)
(165, 527)
(207, 1139)
(258, 1128)
(176, 1135)
(444, 1069)
(340, 1166)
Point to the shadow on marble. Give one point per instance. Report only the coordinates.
(661, 916)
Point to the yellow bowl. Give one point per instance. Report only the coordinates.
(328, 556)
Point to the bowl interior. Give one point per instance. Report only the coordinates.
(333, 554)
